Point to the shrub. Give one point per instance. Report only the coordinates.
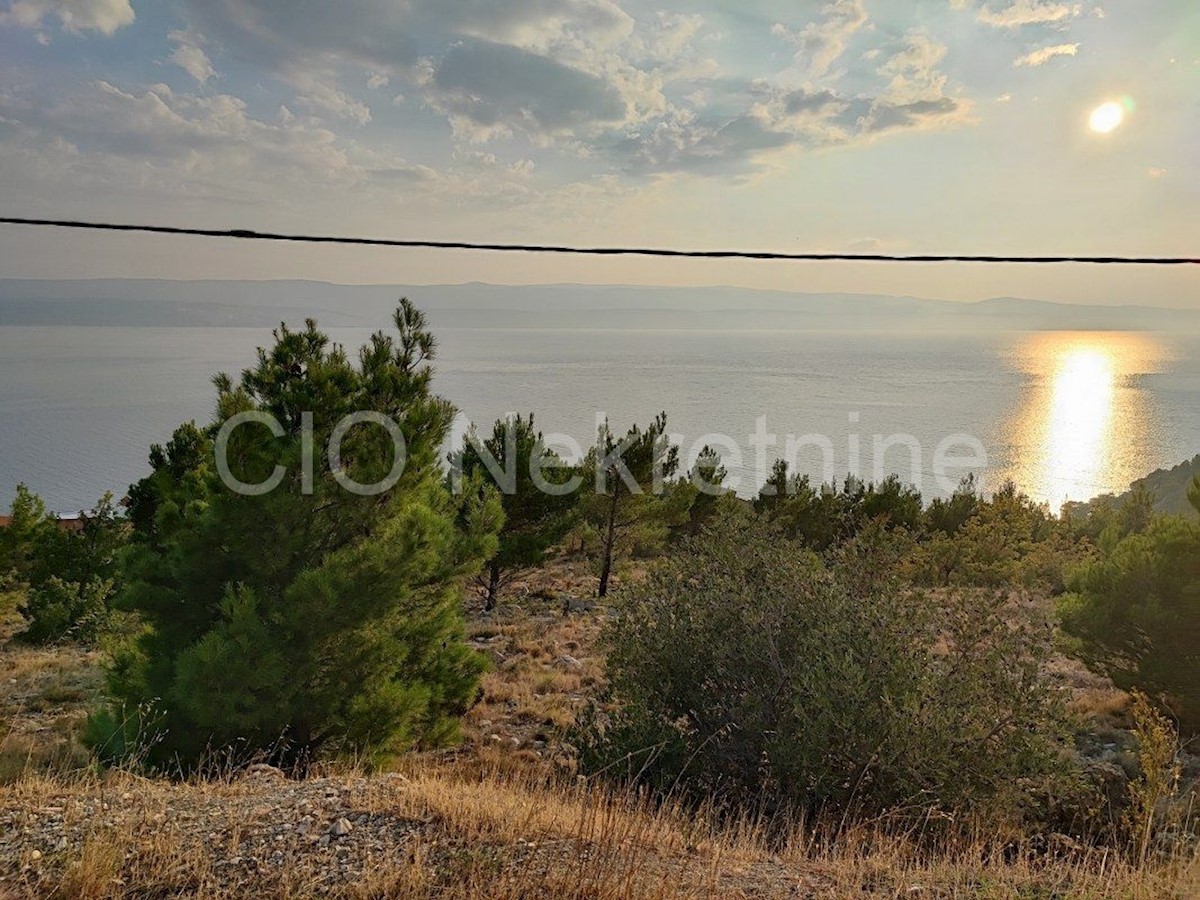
(71, 575)
(12, 604)
(1150, 810)
(1006, 540)
(748, 669)
(1135, 611)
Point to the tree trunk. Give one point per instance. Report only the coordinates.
(610, 535)
(493, 587)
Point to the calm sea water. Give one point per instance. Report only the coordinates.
(1068, 415)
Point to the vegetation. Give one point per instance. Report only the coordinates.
(821, 516)
(1165, 491)
(497, 818)
(707, 476)
(634, 495)
(835, 680)
(1136, 613)
(12, 605)
(539, 509)
(68, 576)
(312, 616)
(748, 669)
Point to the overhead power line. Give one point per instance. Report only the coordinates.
(244, 234)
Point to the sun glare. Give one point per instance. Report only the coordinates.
(1082, 411)
(1107, 117)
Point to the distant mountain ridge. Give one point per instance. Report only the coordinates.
(153, 302)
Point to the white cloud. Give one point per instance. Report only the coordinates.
(913, 71)
(820, 44)
(1155, 172)
(561, 68)
(105, 16)
(617, 85)
(190, 56)
(1045, 54)
(766, 118)
(321, 97)
(173, 142)
(1029, 12)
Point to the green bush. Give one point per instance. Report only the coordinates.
(1006, 540)
(748, 669)
(822, 516)
(70, 575)
(1136, 614)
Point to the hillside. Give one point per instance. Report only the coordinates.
(1168, 487)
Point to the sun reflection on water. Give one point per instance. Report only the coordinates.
(1084, 420)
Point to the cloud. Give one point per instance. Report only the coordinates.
(912, 69)
(175, 143)
(190, 56)
(320, 97)
(684, 141)
(821, 44)
(390, 36)
(886, 116)
(626, 88)
(104, 16)
(765, 117)
(547, 69)
(1029, 12)
(1045, 54)
(488, 89)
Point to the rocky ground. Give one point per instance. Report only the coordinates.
(443, 833)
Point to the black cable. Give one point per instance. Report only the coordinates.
(600, 251)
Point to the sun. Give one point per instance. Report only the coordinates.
(1107, 117)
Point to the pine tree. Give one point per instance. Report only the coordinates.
(538, 511)
(310, 617)
(634, 490)
(707, 478)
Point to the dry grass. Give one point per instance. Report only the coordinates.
(44, 695)
(467, 829)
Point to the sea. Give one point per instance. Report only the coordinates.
(1067, 415)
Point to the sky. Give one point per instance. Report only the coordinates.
(936, 126)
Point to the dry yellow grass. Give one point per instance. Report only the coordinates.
(468, 829)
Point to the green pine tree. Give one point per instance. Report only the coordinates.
(634, 492)
(309, 618)
(535, 518)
